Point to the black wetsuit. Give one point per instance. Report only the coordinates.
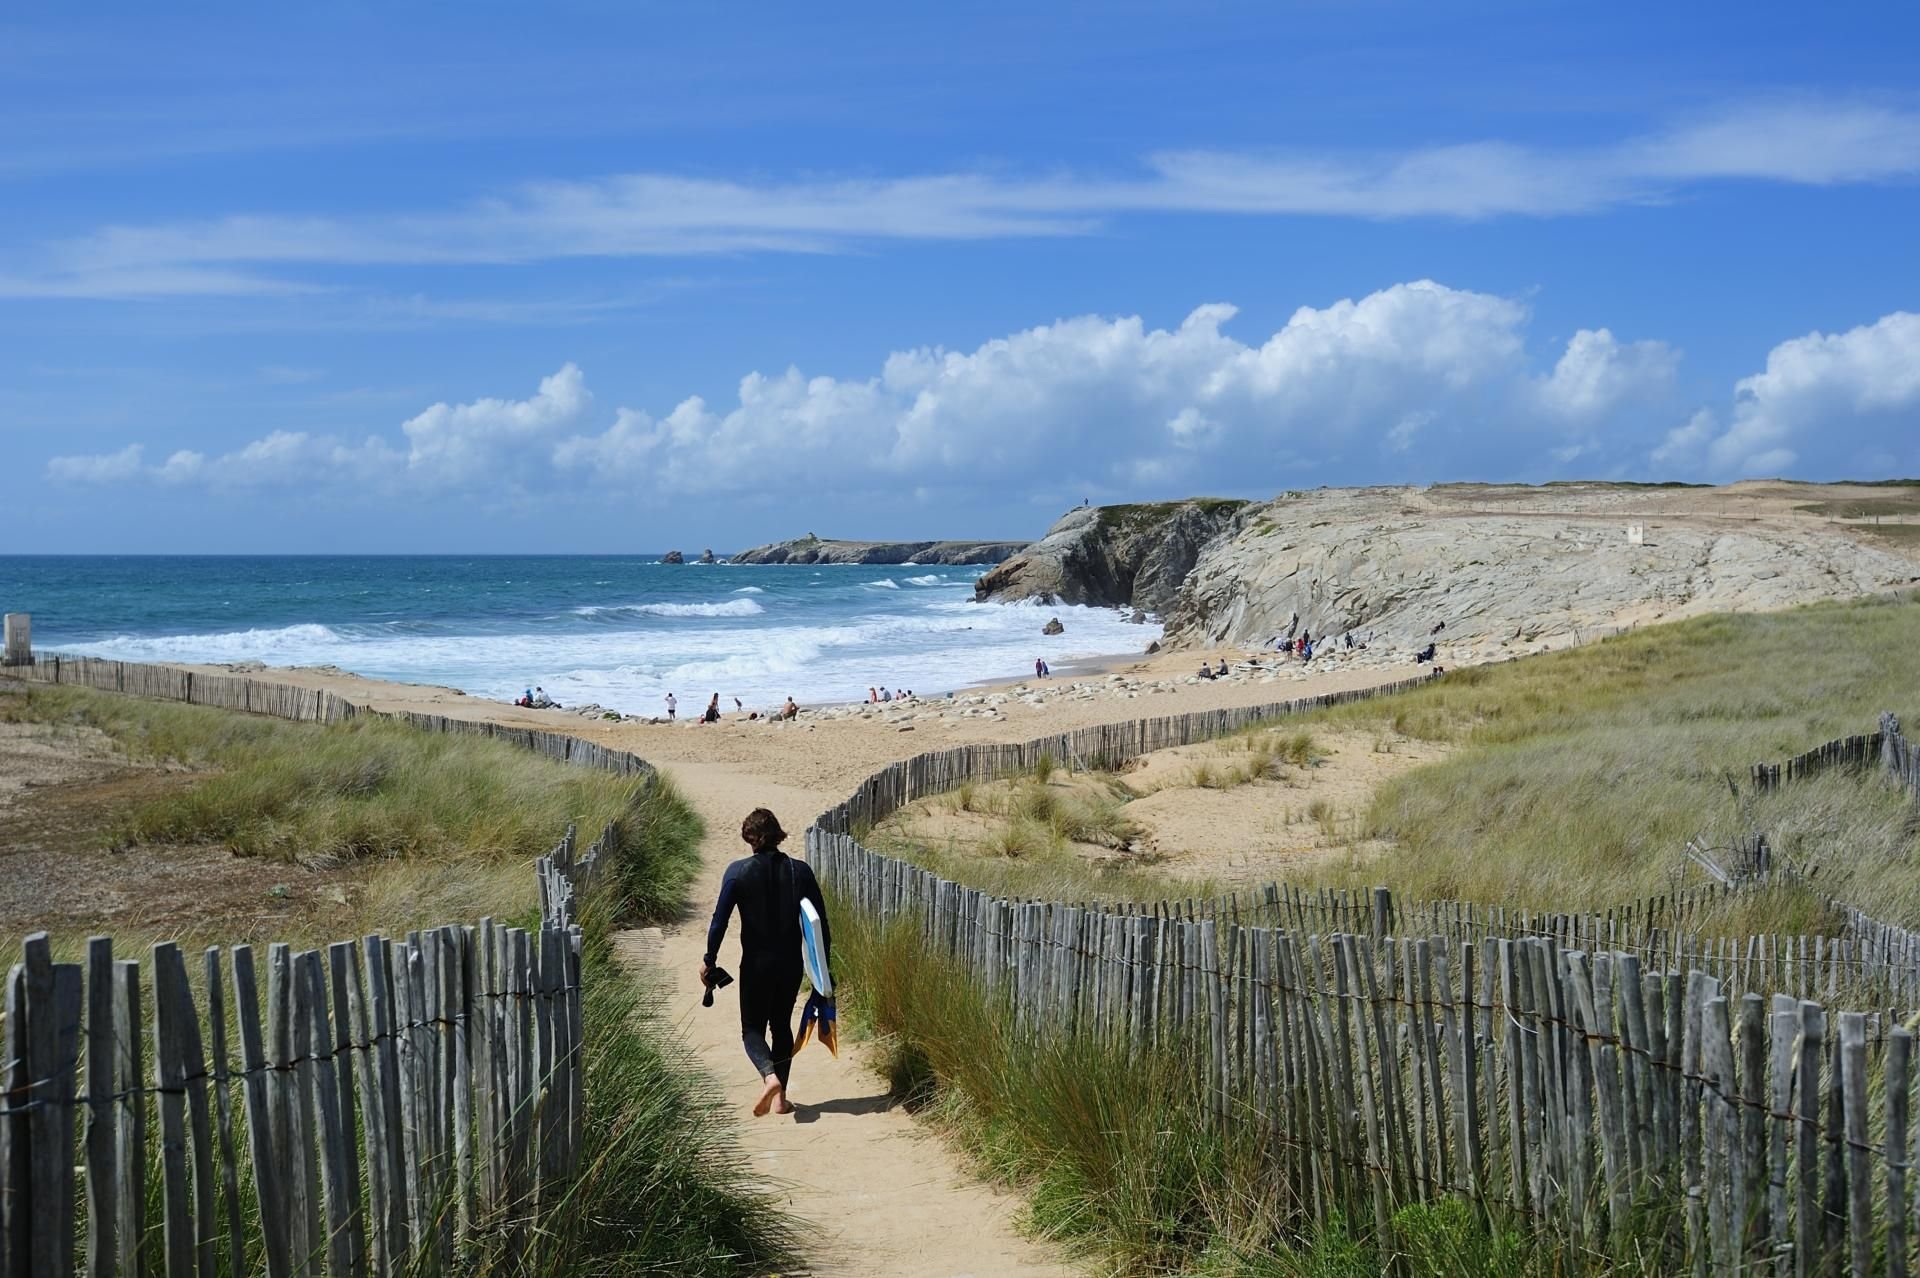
(767, 888)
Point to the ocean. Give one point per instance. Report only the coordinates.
(620, 631)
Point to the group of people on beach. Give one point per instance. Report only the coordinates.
(875, 696)
(711, 714)
(536, 698)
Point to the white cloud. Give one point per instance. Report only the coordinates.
(1598, 374)
(99, 468)
(1106, 402)
(1807, 141)
(1684, 446)
(453, 444)
(1832, 404)
(491, 443)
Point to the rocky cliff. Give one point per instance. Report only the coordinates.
(1114, 556)
(1509, 569)
(818, 550)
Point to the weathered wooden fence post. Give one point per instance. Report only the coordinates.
(19, 640)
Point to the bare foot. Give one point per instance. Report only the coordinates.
(783, 1105)
(768, 1095)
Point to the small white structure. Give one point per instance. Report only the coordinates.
(19, 650)
(1635, 536)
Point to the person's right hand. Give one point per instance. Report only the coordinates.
(705, 972)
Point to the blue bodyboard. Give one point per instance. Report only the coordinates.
(818, 1019)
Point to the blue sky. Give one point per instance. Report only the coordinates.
(610, 277)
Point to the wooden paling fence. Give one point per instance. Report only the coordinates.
(389, 1105)
(1606, 1074)
(1588, 1091)
(1887, 749)
(306, 705)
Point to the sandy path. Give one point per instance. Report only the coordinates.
(880, 1194)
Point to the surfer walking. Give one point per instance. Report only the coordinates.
(767, 889)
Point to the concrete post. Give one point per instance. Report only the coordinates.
(19, 632)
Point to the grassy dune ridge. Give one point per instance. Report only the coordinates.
(440, 827)
(1580, 776)
(1573, 780)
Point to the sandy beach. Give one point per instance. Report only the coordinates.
(832, 748)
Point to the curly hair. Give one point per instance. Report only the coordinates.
(762, 830)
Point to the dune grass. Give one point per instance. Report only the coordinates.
(439, 827)
(1578, 778)
(1118, 1156)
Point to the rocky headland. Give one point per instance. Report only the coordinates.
(1133, 556)
(820, 550)
(1486, 571)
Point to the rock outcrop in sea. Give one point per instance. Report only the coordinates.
(1114, 556)
(819, 550)
(706, 556)
(673, 557)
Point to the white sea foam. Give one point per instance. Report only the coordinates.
(749, 590)
(628, 657)
(931, 579)
(731, 608)
(278, 646)
(885, 583)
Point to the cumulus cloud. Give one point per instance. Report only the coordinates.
(447, 446)
(1597, 375)
(1802, 141)
(1411, 379)
(98, 468)
(1831, 403)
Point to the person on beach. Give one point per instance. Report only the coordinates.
(672, 705)
(767, 888)
(713, 710)
(790, 710)
(1039, 668)
(873, 696)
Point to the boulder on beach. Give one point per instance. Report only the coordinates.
(673, 557)
(1053, 628)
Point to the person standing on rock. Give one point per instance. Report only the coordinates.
(767, 888)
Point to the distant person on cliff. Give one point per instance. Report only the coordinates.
(1221, 673)
(767, 889)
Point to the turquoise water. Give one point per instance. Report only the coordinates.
(618, 630)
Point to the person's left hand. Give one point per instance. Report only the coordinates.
(705, 971)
